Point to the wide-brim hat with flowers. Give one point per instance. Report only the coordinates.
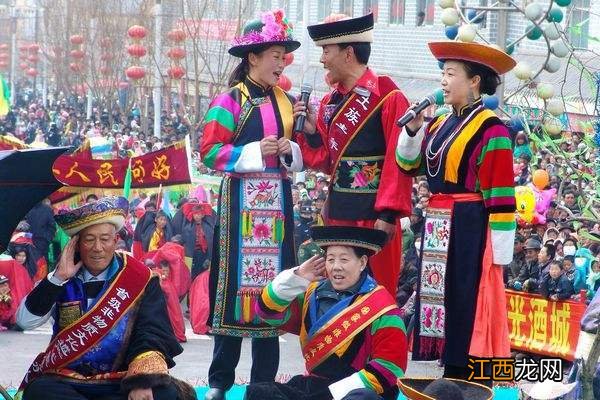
(112, 210)
(489, 56)
(271, 29)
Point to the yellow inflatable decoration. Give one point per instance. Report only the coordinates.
(525, 204)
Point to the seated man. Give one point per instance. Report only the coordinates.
(112, 338)
(352, 337)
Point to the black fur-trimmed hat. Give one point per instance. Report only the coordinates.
(372, 240)
(348, 30)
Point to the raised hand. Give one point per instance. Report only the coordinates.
(310, 123)
(416, 123)
(67, 268)
(312, 269)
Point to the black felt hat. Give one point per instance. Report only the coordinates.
(349, 30)
(371, 239)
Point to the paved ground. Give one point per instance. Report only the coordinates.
(18, 349)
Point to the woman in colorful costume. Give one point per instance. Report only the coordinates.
(111, 334)
(246, 135)
(466, 155)
(351, 334)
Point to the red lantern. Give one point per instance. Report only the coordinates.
(23, 48)
(3, 46)
(123, 85)
(288, 59)
(176, 35)
(137, 32)
(135, 72)
(3, 64)
(23, 66)
(3, 56)
(33, 58)
(284, 83)
(136, 50)
(176, 53)
(105, 43)
(106, 57)
(176, 72)
(32, 72)
(23, 57)
(77, 54)
(105, 70)
(76, 40)
(34, 48)
(76, 67)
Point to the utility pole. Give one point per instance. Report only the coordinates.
(305, 38)
(13, 52)
(36, 40)
(44, 63)
(90, 95)
(156, 92)
(501, 42)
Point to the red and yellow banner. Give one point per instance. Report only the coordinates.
(168, 166)
(12, 143)
(542, 326)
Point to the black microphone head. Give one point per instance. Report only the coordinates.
(306, 88)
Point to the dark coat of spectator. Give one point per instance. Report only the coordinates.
(560, 287)
(42, 226)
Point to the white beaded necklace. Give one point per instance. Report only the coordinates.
(434, 158)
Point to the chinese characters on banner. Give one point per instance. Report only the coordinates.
(542, 326)
(168, 166)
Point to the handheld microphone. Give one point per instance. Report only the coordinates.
(436, 97)
(305, 92)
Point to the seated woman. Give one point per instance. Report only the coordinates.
(6, 304)
(15, 286)
(351, 334)
(162, 268)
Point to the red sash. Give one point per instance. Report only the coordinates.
(79, 337)
(346, 325)
(350, 119)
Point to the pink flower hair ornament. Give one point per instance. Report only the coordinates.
(271, 29)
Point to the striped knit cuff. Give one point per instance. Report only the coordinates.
(408, 150)
(502, 226)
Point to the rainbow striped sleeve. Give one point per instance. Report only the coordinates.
(495, 161)
(496, 183)
(219, 126)
(281, 301)
(388, 358)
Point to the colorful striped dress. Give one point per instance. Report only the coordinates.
(254, 237)
(468, 154)
(373, 358)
